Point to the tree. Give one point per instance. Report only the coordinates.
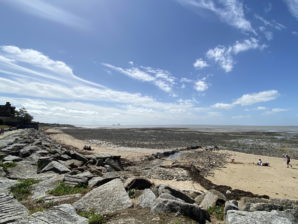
(23, 116)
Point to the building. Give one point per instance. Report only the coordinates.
(7, 110)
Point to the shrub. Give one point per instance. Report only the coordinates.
(22, 190)
(64, 189)
(92, 216)
(5, 166)
(217, 211)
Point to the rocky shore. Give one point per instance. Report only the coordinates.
(43, 181)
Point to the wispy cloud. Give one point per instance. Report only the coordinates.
(293, 7)
(275, 110)
(249, 99)
(224, 56)
(201, 86)
(50, 12)
(200, 63)
(229, 11)
(158, 77)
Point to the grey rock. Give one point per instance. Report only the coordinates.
(65, 214)
(74, 180)
(2, 172)
(43, 162)
(97, 181)
(258, 217)
(130, 220)
(5, 184)
(146, 199)
(25, 170)
(114, 163)
(173, 206)
(199, 199)
(11, 211)
(138, 183)
(105, 199)
(169, 197)
(77, 156)
(28, 150)
(11, 158)
(56, 199)
(213, 198)
(264, 207)
(55, 167)
(73, 163)
(40, 189)
(176, 193)
(230, 205)
(14, 148)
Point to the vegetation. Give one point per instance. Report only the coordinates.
(92, 216)
(5, 166)
(23, 116)
(22, 190)
(64, 189)
(216, 211)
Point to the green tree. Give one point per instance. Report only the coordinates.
(23, 116)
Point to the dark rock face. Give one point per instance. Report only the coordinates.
(56, 167)
(105, 199)
(230, 205)
(137, 183)
(173, 206)
(176, 193)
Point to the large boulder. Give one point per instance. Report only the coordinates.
(11, 211)
(56, 167)
(176, 193)
(105, 199)
(5, 184)
(65, 214)
(146, 199)
(212, 198)
(11, 158)
(173, 206)
(259, 217)
(97, 181)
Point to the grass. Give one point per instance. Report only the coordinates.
(92, 216)
(5, 166)
(22, 190)
(216, 211)
(64, 189)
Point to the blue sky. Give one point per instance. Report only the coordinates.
(151, 62)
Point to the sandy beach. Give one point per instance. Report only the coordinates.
(276, 181)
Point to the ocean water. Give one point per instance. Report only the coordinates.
(210, 128)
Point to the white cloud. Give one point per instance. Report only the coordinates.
(224, 56)
(293, 7)
(158, 77)
(261, 108)
(272, 24)
(229, 11)
(250, 99)
(201, 86)
(50, 12)
(275, 110)
(200, 63)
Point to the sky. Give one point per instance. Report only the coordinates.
(151, 62)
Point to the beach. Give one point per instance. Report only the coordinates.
(276, 181)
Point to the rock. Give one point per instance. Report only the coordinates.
(176, 193)
(65, 214)
(213, 198)
(146, 199)
(169, 197)
(43, 162)
(5, 184)
(56, 167)
(65, 157)
(56, 199)
(199, 199)
(77, 156)
(137, 183)
(11, 158)
(74, 180)
(97, 181)
(105, 199)
(11, 211)
(264, 207)
(13, 149)
(172, 206)
(40, 189)
(73, 163)
(230, 205)
(258, 217)
(25, 170)
(2, 172)
(28, 150)
(115, 164)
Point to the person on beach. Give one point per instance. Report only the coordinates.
(288, 159)
(260, 163)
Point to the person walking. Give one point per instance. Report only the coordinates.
(288, 159)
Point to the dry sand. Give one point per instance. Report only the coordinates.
(276, 181)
